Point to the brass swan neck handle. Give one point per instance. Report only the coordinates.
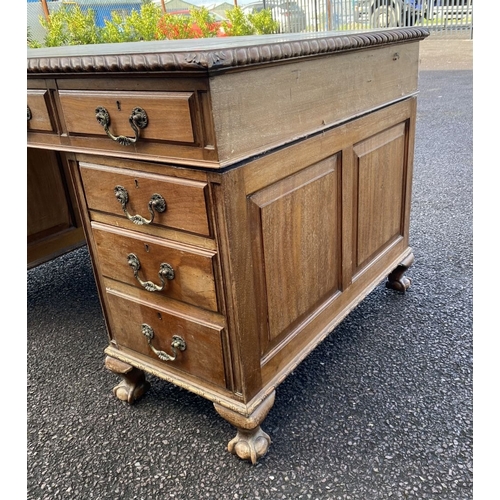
(138, 120)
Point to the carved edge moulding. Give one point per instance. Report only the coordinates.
(246, 51)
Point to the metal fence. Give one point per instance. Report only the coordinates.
(441, 17)
(446, 18)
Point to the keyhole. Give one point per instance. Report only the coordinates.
(146, 246)
(118, 105)
(159, 316)
(136, 184)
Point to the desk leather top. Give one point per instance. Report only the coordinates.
(208, 55)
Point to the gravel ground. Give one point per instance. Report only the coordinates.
(382, 409)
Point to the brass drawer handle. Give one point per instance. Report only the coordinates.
(157, 202)
(29, 113)
(138, 120)
(178, 344)
(166, 271)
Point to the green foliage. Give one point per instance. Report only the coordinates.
(205, 21)
(32, 44)
(69, 25)
(237, 23)
(263, 22)
(113, 31)
(138, 25)
(255, 23)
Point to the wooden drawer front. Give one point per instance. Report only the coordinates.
(38, 111)
(168, 113)
(193, 277)
(203, 356)
(185, 199)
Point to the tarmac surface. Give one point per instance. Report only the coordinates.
(382, 409)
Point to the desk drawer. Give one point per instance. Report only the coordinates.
(168, 114)
(160, 266)
(203, 353)
(39, 115)
(185, 201)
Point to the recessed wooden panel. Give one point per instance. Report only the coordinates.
(297, 224)
(193, 281)
(203, 357)
(38, 111)
(48, 209)
(169, 113)
(381, 168)
(185, 199)
(53, 223)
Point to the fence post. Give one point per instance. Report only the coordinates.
(45, 10)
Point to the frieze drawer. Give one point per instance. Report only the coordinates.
(39, 115)
(159, 266)
(160, 334)
(147, 199)
(129, 117)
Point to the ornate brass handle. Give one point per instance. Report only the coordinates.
(157, 202)
(29, 113)
(178, 344)
(138, 120)
(166, 271)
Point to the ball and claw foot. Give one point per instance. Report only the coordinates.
(125, 391)
(397, 280)
(250, 444)
(133, 384)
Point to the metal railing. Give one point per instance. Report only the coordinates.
(448, 18)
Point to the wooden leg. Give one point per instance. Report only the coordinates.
(133, 384)
(251, 442)
(396, 280)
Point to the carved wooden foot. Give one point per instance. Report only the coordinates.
(251, 442)
(250, 445)
(133, 384)
(396, 280)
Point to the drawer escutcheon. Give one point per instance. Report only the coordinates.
(166, 271)
(178, 343)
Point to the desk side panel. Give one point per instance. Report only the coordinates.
(255, 111)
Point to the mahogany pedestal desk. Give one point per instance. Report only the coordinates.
(239, 197)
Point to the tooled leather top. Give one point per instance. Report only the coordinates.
(209, 54)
